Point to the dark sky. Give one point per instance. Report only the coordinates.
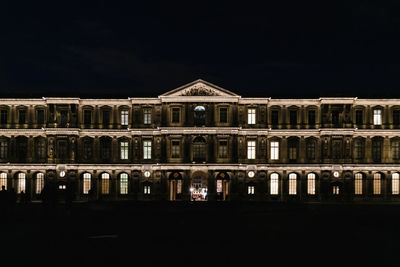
(123, 48)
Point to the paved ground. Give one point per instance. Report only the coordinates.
(201, 234)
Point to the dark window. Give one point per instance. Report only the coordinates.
(335, 118)
(199, 149)
(359, 117)
(3, 116)
(105, 145)
(40, 116)
(176, 115)
(376, 150)
(359, 149)
(40, 149)
(64, 117)
(21, 149)
(293, 117)
(106, 117)
(22, 116)
(223, 115)
(396, 117)
(396, 150)
(311, 117)
(337, 150)
(62, 150)
(223, 149)
(87, 117)
(176, 149)
(310, 150)
(274, 118)
(199, 116)
(87, 150)
(3, 149)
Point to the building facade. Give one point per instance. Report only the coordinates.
(203, 142)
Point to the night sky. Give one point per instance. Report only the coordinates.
(123, 48)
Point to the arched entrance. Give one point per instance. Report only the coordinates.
(222, 186)
(175, 186)
(199, 186)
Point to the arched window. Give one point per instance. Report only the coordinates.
(105, 183)
(123, 179)
(86, 182)
(395, 183)
(377, 183)
(311, 183)
(358, 181)
(292, 184)
(21, 182)
(199, 115)
(3, 180)
(199, 149)
(39, 182)
(274, 183)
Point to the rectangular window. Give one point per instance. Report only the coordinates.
(223, 149)
(311, 184)
(176, 149)
(292, 153)
(39, 183)
(359, 117)
(377, 184)
(146, 189)
(3, 116)
(274, 150)
(358, 179)
(310, 150)
(123, 179)
(3, 150)
(40, 116)
(395, 183)
(335, 117)
(147, 116)
(396, 117)
(64, 117)
(376, 150)
(311, 117)
(87, 117)
(377, 117)
(63, 152)
(274, 184)
(251, 149)
(124, 117)
(251, 116)
(293, 117)
(176, 112)
(22, 116)
(105, 184)
(274, 118)
(86, 183)
(292, 184)
(396, 150)
(3, 180)
(106, 117)
(359, 150)
(124, 150)
(250, 190)
(21, 183)
(223, 115)
(147, 150)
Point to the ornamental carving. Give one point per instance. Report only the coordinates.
(199, 91)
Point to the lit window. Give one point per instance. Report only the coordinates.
(124, 150)
(311, 184)
(39, 182)
(250, 190)
(3, 180)
(395, 183)
(179, 187)
(223, 149)
(147, 150)
(123, 183)
(274, 183)
(292, 184)
(124, 117)
(251, 116)
(105, 183)
(358, 181)
(377, 117)
(147, 116)
(251, 149)
(147, 189)
(377, 184)
(274, 150)
(219, 186)
(86, 183)
(176, 149)
(335, 190)
(21, 182)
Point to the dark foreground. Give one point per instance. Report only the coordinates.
(202, 234)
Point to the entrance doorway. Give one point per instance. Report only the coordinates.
(222, 186)
(175, 186)
(198, 187)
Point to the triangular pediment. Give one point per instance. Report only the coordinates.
(199, 88)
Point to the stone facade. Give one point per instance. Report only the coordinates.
(201, 135)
